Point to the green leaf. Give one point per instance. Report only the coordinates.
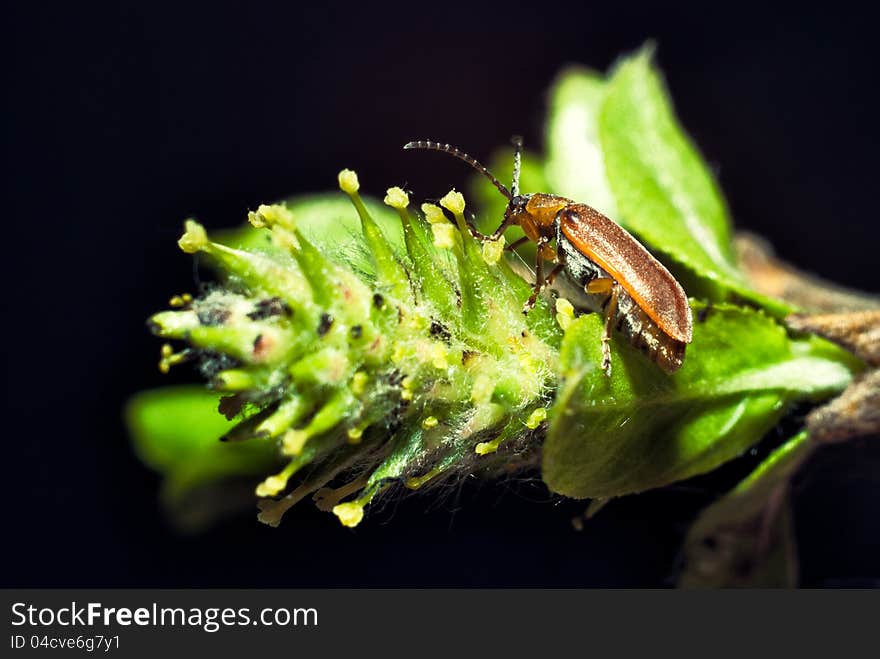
(176, 431)
(665, 193)
(575, 165)
(642, 428)
(746, 538)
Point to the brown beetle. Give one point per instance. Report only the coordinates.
(621, 279)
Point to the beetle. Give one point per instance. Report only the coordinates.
(636, 294)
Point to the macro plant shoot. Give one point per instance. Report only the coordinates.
(598, 322)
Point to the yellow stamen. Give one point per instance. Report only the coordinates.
(348, 182)
(350, 513)
(417, 481)
(564, 313)
(493, 249)
(536, 418)
(453, 202)
(444, 235)
(396, 198)
(485, 448)
(194, 239)
(294, 441)
(359, 382)
(434, 214)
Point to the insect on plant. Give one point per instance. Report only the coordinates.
(635, 293)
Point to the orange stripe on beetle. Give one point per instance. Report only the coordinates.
(636, 294)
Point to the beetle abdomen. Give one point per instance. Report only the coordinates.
(629, 319)
(644, 334)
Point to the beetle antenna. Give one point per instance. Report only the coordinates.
(517, 142)
(461, 155)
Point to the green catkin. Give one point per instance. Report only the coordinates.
(428, 371)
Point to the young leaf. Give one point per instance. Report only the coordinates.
(746, 538)
(177, 431)
(641, 428)
(575, 165)
(665, 193)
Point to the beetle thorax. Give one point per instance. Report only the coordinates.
(536, 214)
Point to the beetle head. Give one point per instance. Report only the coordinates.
(517, 207)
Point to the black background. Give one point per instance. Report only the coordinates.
(124, 118)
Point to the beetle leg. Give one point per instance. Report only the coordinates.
(474, 231)
(605, 286)
(516, 243)
(541, 282)
(482, 237)
(601, 286)
(506, 222)
(610, 312)
(554, 273)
